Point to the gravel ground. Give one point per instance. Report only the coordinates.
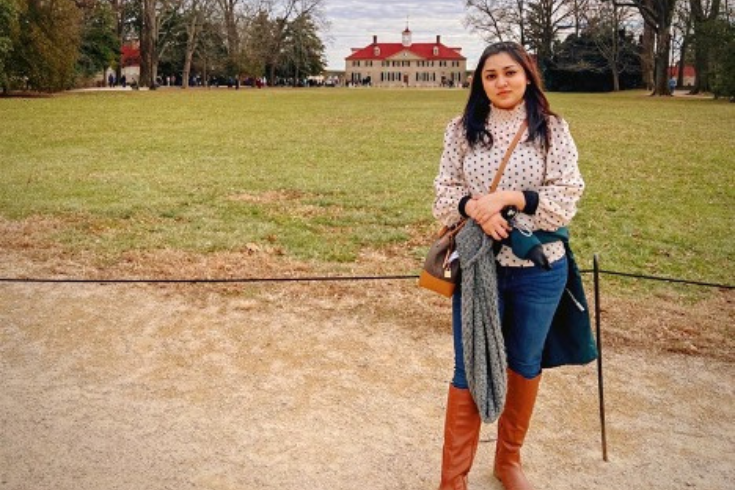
(279, 387)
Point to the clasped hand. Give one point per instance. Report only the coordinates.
(485, 210)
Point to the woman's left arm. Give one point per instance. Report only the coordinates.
(563, 184)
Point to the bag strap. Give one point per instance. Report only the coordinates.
(506, 157)
(494, 185)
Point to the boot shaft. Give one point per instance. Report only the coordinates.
(461, 437)
(512, 429)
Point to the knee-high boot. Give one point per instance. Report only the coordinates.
(461, 435)
(512, 427)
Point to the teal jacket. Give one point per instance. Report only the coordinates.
(570, 340)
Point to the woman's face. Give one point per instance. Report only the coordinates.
(504, 81)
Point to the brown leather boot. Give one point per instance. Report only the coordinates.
(512, 427)
(461, 435)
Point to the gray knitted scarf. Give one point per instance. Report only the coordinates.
(482, 336)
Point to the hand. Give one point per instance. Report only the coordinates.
(482, 208)
(496, 227)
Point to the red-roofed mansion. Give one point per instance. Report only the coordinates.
(406, 64)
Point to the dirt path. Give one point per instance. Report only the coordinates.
(279, 387)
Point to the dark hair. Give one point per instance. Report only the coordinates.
(478, 108)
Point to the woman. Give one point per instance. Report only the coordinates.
(543, 182)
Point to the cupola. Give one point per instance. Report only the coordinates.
(406, 38)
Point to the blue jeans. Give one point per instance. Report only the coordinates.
(527, 301)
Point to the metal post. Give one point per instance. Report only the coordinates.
(599, 357)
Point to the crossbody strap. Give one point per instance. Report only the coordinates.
(494, 185)
(506, 157)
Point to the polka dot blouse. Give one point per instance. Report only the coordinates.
(465, 171)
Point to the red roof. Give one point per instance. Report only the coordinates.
(422, 50)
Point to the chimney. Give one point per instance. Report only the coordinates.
(438, 39)
(375, 39)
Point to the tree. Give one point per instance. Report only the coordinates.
(270, 28)
(535, 24)
(282, 14)
(303, 51)
(257, 44)
(8, 25)
(127, 26)
(579, 64)
(100, 44)
(232, 22)
(609, 35)
(46, 49)
(158, 20)
(497, 20)
(579, 11)
(196, 13)
(211, 56)
(658, 15)
(682, 26)
(705, 40)
(722, 75)
(545, 20)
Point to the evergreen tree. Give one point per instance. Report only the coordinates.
(99, 42)
(303, 50)
(8, 25)
(46, 48)
(722, 74)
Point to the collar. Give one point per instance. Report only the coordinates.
(506, 116)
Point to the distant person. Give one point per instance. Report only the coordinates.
(111, 80)
(123, 81)
(543, 184)
(672, 85)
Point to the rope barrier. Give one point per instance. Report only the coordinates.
(317, 279)
(596, 271)
(210, 281)
(667, 279)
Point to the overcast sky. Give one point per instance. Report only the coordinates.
(353, 24)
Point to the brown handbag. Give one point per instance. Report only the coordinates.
(441, 270)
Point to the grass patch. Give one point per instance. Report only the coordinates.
(323, 174)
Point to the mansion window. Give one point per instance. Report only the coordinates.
(391, 76)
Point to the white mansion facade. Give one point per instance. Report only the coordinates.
(406, 64)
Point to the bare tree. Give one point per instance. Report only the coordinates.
(608, 31)
(682, 27)
(578, 10)
(156, 34)
(280, 13)
(233, 15)
(658, 15)
(534, 23)
(196, 13)
(545, 21)
(119, 7)
(497, 20)
(648, 43)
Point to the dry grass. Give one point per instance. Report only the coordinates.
(661, 321)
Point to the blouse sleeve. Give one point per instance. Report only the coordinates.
(449, 185)
(563, 184)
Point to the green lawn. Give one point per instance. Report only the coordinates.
(324, 173)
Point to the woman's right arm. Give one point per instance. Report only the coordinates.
(450, 185)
